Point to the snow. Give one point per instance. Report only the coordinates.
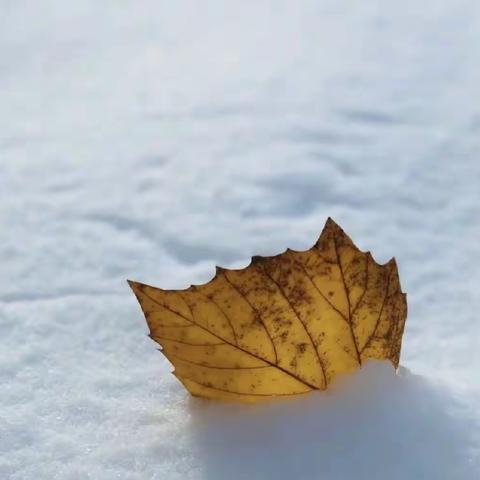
(373, 423)
(154, 140)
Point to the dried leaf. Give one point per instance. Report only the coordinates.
(284, 325)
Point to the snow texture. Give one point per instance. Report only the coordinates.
(152, 140)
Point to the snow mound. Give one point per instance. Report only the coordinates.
(371, 423)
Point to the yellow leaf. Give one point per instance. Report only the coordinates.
(284, 325)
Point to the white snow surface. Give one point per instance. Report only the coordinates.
(153, 140)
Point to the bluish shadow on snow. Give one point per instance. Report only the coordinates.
(374, 424)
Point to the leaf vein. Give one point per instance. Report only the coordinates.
(258, 314)
(377, 323)
(284, 295)
(218, 368)
(359, 359)
(241, 393)
(296, 377)
(227, 318)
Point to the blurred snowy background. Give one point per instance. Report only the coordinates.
(152, 140)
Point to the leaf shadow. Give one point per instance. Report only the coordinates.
(374, 425)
